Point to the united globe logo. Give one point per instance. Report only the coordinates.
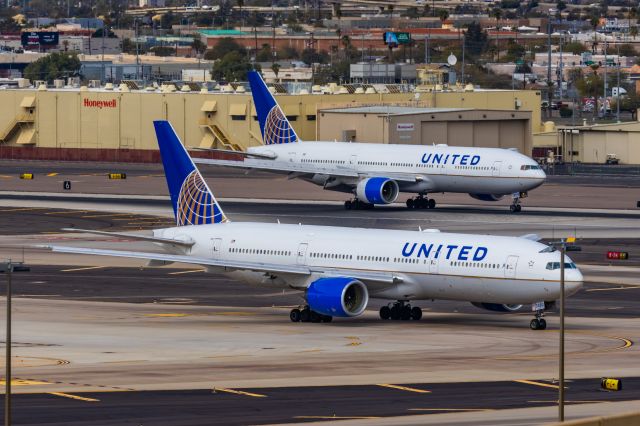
(277, 129)
(196, 205)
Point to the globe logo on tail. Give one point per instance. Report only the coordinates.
(277, 129)
(196, 205)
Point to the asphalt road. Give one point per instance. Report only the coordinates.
(300, 404)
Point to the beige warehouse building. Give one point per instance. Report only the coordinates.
(592, 144)
(99, 124)
(427, 126)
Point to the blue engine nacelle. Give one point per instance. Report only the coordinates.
(377, 190)
(495, 307)
(338, 297)
(487, 197)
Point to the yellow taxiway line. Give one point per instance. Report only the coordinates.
(191, 271)
(68, 395)
(404, 388)
(450, 409)
(237, 392)
(82, 269)
(336, 417)
(541, 384)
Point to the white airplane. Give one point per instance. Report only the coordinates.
(377, 173)
(339, 269)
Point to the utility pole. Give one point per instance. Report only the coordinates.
(604, 98)
(549, 82)
(463, 48)
(560, 75)
(137, 51)
(563, 248)
(618, 88)
(427, 60)
(7, 375)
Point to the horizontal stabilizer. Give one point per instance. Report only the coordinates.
(181, 243)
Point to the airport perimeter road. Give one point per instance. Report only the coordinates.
(610, 192)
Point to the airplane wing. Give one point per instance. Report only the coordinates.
(255, 164)
(181, 243)
(298, 168)
(370, 278)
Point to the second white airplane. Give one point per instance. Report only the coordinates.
(377, 173)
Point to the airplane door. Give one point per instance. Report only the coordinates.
(216, 246)
(510, 267)
(496, 168)
(433, 266)
(302, 253)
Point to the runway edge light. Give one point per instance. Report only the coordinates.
(611, 384)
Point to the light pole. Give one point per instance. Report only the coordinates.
(9, 268)
(567, 244)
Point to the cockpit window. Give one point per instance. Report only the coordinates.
(548, 249)
(530, 167)
(552, 266)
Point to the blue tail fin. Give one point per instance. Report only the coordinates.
(192, 200)
(273, 123)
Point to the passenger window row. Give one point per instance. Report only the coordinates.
(259, 251)
(477, 265)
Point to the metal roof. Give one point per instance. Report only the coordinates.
(393, 110)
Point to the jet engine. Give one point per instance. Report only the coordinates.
(487, 197)
(497, 307)
(338, 296)
(377, 190)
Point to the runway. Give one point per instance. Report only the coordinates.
(107, 341)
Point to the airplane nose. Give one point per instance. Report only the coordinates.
(573, 281)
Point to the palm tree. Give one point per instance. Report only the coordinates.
(443, 14)
(497, 13)
(240, 4)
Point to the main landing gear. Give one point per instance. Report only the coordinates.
(421, 202)
(400, 311)
(538, 323)
(356, 204)
(307, 315)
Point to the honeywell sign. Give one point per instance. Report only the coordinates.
(88, 103)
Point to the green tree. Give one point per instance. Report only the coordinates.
(197, 44)
(590, 85)
(232, 67)
(310, 56)
(163, 51)
(475, 39)
(627, 49)
(225, 45)
(53, 66)
(265, 54)
(443, 14)
(574, 47)
(275, 67)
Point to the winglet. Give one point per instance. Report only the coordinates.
(274, 125)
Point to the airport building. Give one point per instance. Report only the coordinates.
(110, 125)
(428, 126)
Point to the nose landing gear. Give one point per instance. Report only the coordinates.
(538, 323)
(421, 202)
(400, 311)
(516, 207)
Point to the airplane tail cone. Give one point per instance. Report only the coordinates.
(192, 200)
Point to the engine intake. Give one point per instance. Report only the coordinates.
(377, 190)
(495, 307)
(487, 197)
(338, 296)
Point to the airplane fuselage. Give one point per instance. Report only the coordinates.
(417, 169)
(426, 265)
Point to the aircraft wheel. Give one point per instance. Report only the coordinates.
(543, 324)
(347, 205)
(396, 311)
(315, 317)
(305, 315)
(326, 318)
(512, 207)
(416, 313)
(535, 324)
(406, 313)
(518, 208)
(432, 203)
(385, 313)
(410, 203)
(295, 315)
